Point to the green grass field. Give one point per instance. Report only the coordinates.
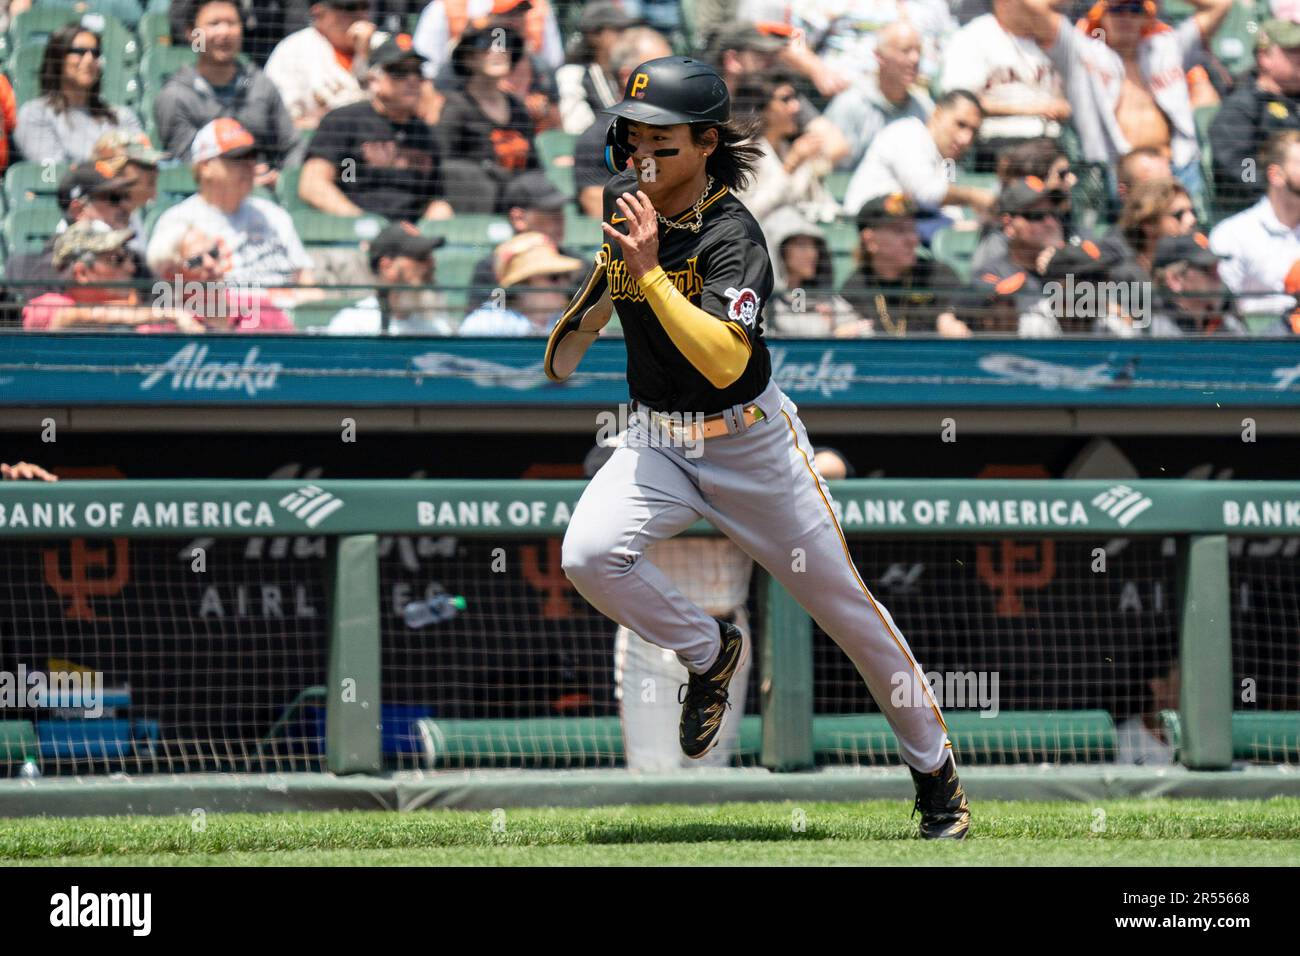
(1124, 832)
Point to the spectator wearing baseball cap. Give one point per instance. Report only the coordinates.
(320, 67)
(220, 83)
(898, 292)
(132, 157)
(532, 204)
(803, 300)
(63, 123)
(746, 51)
(90, 191)
(1190, 298)
(90, 255)
(486, 133)
(1265, 102)
(399, 256)
(378, 155)
(588, 83)
(538, 282)
(264, 246)
(1029, 218)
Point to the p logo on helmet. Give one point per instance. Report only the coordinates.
(639, 84)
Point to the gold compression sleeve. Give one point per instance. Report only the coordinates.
(718, 350)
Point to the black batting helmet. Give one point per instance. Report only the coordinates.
(664, 92)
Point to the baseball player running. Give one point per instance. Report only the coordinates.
(712, 436)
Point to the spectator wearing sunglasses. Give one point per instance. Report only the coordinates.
(64, 122)
(195, 268)
(264, 246)
(486, 132)
(220, 84)
(132, 158)
(792, 170)
(1151, 211)
(377, 155)
(1028, 218)
(320, 67)
(1044, 159)
(92, 259)
(89, 192)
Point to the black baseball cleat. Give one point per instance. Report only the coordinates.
(942, 802)
(705, 704)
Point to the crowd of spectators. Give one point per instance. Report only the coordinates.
(927, 167)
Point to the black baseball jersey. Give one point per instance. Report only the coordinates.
(723, 269)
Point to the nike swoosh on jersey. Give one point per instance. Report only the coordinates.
(615, 219)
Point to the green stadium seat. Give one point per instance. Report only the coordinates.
(842, 236)
(161, 62)
(838, 184)
(956, 248)
(553, 144)
(33, 27)
(24, 69)
(581, 232)
(469, 229)
(27, 229)
(286, 188)
(317, 228)
(176, 181)
(155, 29)
(455, 269)
(315, 316)
(1234, 44)
(27, 183)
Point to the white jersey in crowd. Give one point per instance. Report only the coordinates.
(714, 574)
(903, 158)
(1259, 251)
(264, 246)
(309, 77)
(987, 60)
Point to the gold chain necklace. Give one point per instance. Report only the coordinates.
(699, 212)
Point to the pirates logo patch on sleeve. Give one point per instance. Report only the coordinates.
(743, 307)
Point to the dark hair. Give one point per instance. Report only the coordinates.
(189, 14)
(1033, 157)
(52, 67)
(953, 97)
(823, 279)
(755, 91)
(737, 155)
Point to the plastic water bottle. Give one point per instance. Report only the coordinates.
(439, 608)
(30, 770)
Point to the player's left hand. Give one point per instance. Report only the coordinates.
(641, 244)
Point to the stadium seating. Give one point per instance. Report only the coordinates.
(455, 268)
(26, 229)
(317, 228)
(469, 229)
(28, 184)
(956, 248)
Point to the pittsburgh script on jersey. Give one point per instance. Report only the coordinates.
(622, 286)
